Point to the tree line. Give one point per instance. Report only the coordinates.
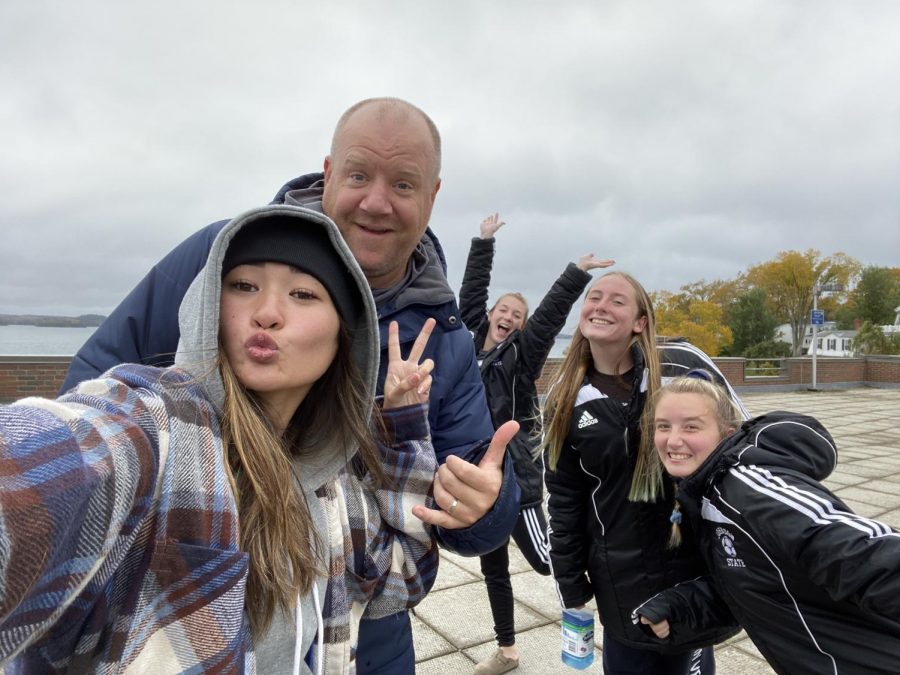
(739, 317)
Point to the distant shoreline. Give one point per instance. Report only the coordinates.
(49, 321)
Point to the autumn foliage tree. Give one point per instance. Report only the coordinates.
(699, 321)
(789, 282)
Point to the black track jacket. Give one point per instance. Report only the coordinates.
(606, 547)
(510, 369)
(816, 587)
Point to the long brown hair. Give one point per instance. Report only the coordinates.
(647, 482)
(276, 528)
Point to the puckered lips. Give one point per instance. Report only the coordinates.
(261, 347)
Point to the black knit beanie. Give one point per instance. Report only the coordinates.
(301, 244)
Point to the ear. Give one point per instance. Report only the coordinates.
(327, 167)
(730, 431)
(434, 191)
(640, 325)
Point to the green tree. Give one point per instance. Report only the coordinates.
(751, 321)
(876, 296)
(789, 280)
(872, 340)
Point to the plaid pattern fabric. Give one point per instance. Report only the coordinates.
(119, 534)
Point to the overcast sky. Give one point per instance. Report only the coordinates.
(687, 140)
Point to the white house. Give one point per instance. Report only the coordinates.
(829, 340)
(785, 333)
(834, 343)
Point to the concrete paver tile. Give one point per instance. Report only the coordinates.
(862, 493)
(464, 616)
(452, 664)
(733, 661)
(841, 478)
(517, 562)
(863, 509)
(538, 593)
(450, 574)
(891, 518)
(881, 485)
(471, 565)
(861, 469)
(427, 642)
(539, 652)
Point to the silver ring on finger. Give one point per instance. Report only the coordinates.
(453, 505)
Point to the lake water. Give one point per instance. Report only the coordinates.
(42, 340)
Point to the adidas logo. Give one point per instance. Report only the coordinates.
(586, 420)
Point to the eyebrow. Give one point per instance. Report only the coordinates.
(612, 295)
(686, 419)
(352, 161)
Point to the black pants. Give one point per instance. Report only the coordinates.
(530, 533)
(619, 659)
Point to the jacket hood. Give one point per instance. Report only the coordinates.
(786, 440)
(198, 319)
(780, 439)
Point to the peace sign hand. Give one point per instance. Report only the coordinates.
(407, 381)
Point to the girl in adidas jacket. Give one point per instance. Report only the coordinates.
(816, 587)
(609, 513)
(511, 349)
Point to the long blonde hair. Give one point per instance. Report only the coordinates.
(647, 482)
(276, 527)
(726, 414)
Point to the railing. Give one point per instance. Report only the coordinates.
(767, 367)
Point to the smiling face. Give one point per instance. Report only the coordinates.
(507, 315)
(279, 331)
(610, 315)
(685, 432)
(380, 185)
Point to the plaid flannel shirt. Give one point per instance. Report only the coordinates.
(119, 540)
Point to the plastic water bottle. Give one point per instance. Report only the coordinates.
(577, 638)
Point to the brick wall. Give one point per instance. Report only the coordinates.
(42, 376)
(874, 371)
(882, 370)
(22, 376)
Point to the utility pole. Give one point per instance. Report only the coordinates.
(815, 326)
(816, 319)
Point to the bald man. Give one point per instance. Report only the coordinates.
(379, 185)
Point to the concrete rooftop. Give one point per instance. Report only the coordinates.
(453, 629)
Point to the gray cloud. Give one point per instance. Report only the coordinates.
(686, 140)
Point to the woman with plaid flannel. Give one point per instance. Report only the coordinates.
(234, 511)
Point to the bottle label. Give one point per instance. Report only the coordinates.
(578, 641)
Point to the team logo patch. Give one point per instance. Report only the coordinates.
(726, 539)
(586, 420)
